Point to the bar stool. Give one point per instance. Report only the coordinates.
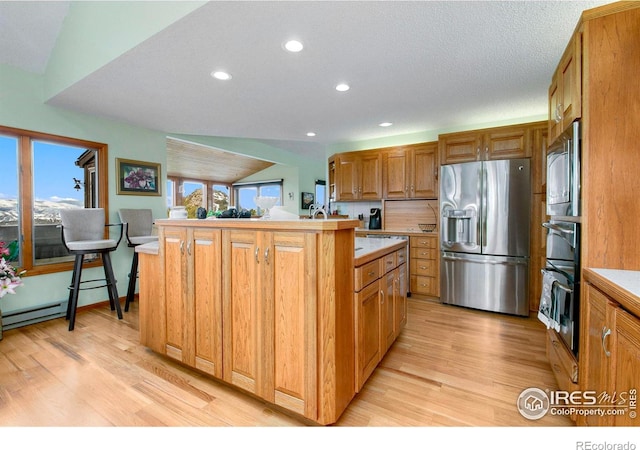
(83, 234)
(138, 225)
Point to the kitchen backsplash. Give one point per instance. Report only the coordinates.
(353, 209)
(397, 215)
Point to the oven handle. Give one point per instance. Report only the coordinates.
(562, 286)
(557, 228)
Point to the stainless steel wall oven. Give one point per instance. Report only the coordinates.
(560, 300)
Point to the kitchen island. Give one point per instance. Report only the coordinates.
(266, 306)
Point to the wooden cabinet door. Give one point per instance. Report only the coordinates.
(565, 91)
(539, 144)
(400, 299)
(570, 73)
(332, 179)
(179, 323)
(387, 311)
(424, 171)
(595, 354)
(460, 147)
(242, 291)
(627, 356)
(504, 143)
(204, 251)
(347, 178)
(396, 172)
(193, 297)
(290, 321)
(555, 109)
(371, 176)
(368, 331)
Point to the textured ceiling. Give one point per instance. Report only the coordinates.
(423, 65)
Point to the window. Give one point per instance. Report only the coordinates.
(245, 193)
(46, 173)
(320, 191)
(197, 193)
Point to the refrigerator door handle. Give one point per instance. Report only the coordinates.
(482, 225)
(508, 261)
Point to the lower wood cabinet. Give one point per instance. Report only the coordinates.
(610, 358)
(268, 311)
(193, 297)
(425, 265)
(381, 310)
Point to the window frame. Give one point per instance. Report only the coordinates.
(178, 182)
(26, 198)
(258, 185)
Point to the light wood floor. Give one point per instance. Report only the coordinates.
(450, 367)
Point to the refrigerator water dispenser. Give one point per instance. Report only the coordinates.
(460, 226)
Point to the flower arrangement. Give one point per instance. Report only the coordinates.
(9, 277)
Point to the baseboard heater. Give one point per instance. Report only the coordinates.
(28, 316)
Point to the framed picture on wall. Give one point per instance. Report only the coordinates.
(137, 177)
(307, 199)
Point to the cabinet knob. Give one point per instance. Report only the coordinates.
(256, 255)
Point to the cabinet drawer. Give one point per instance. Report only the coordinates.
(423, 285)
(424, 242)
(401, 256)
(424, 253)
(388, 263)
(424, 267)
(563, 363)
(366, 274)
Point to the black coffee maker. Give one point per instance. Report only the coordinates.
(375, 219)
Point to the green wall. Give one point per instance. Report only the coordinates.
(21, 106)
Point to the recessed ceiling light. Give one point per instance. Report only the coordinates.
(342, 87)
(221, 75)
(385, 124)
(293, 46)
(311, 134)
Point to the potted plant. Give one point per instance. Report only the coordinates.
(9, 275)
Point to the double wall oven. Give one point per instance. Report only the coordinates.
(560, 300)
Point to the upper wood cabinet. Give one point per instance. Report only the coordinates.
(358, 176)
(481, 145)
(565, 91)
(539, 144)
(410, 171)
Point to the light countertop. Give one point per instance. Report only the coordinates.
(365, 248)
(368, 249)
(622, 285)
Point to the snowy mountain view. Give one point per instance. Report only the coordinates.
(44, 211)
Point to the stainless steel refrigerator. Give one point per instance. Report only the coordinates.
(485, 208)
